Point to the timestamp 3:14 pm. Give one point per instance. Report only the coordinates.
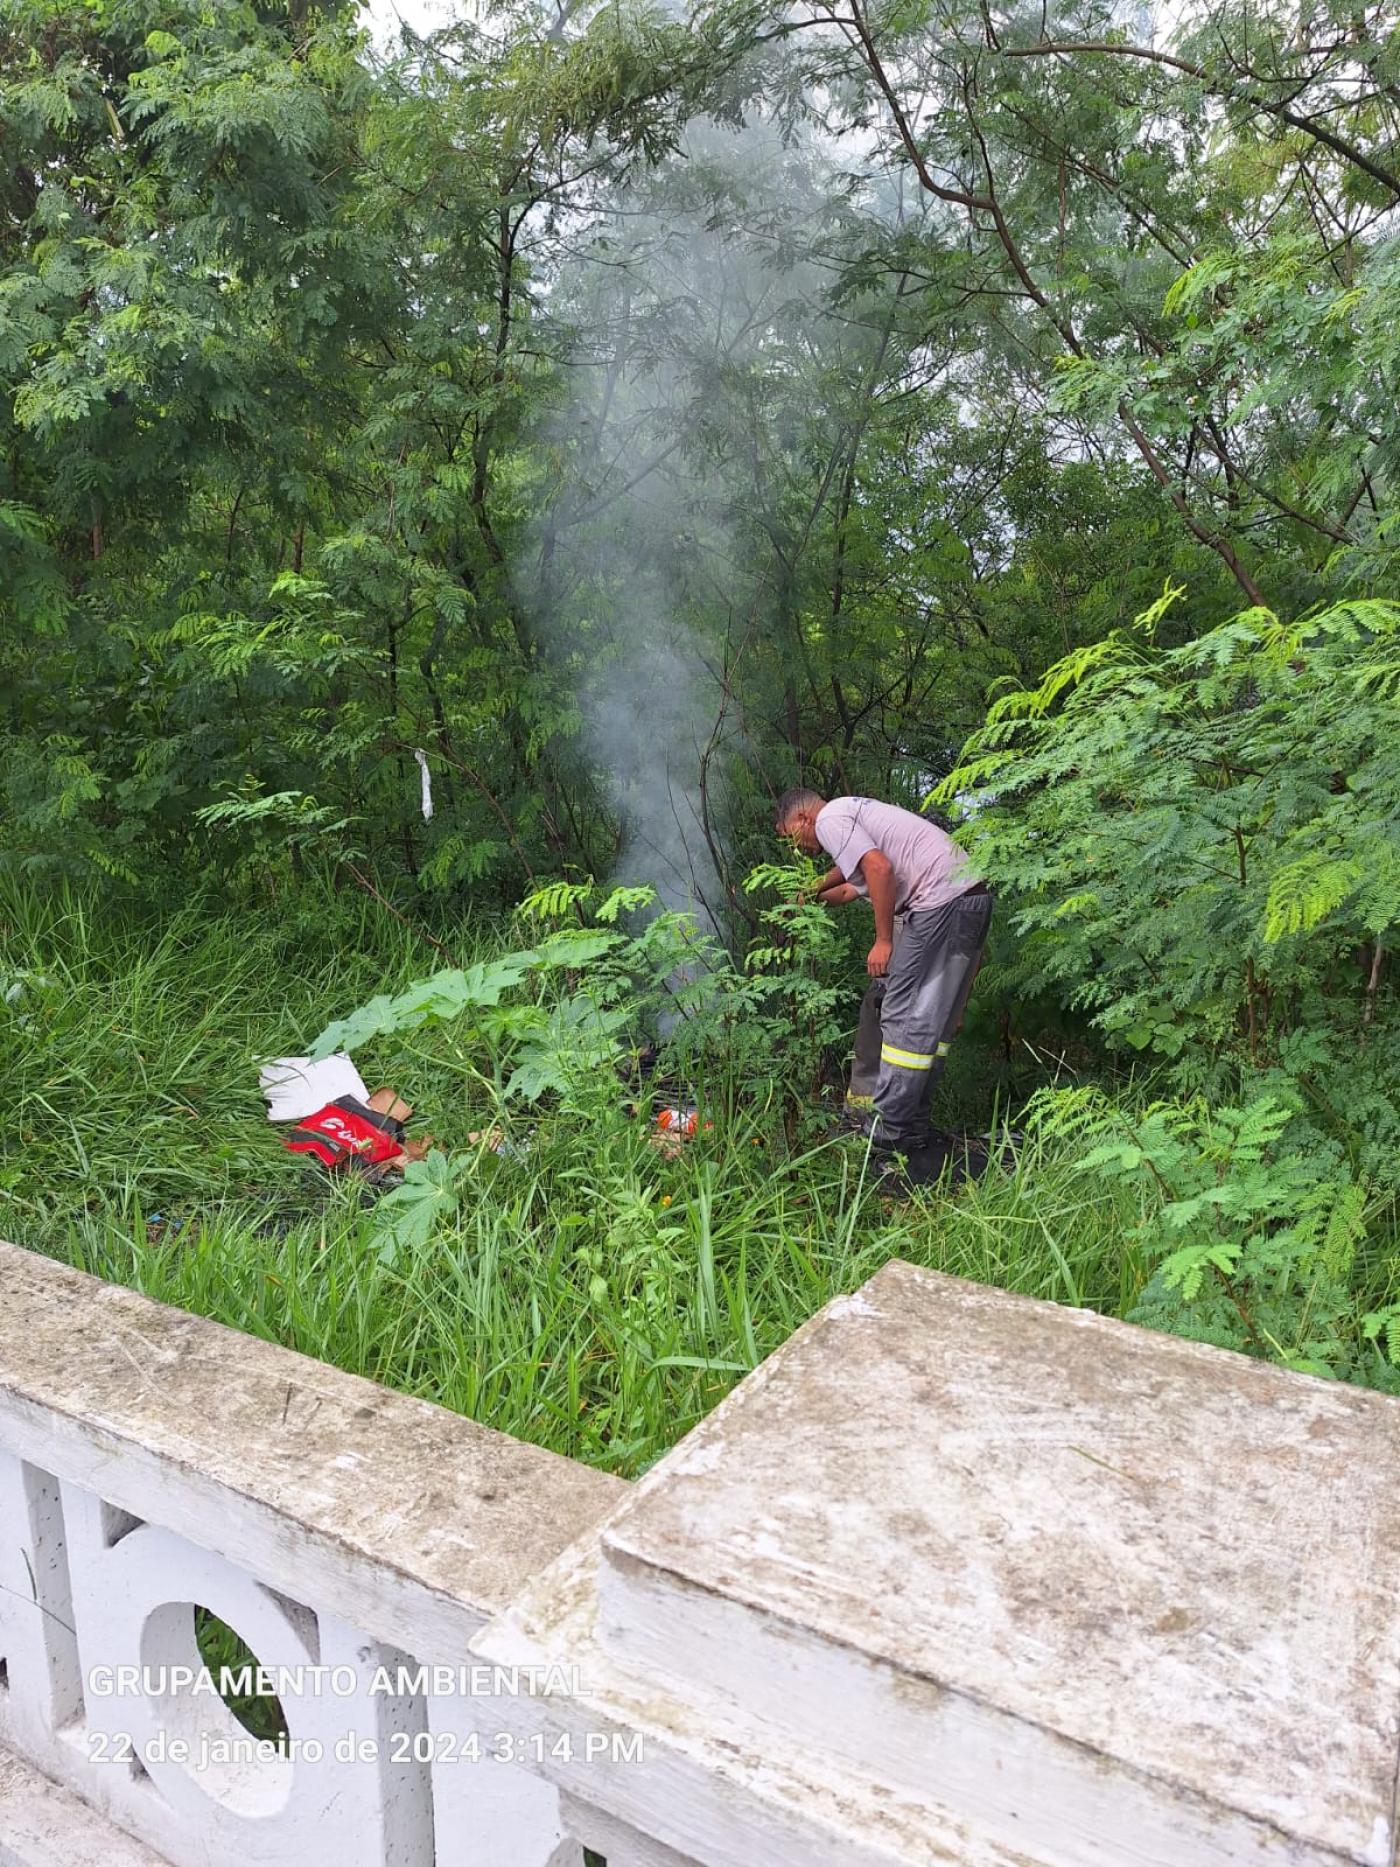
(536, 1747)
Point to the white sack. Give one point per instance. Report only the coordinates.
(296, 1087)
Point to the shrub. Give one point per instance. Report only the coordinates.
(1202, 847)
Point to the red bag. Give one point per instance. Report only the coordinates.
(347, 1134)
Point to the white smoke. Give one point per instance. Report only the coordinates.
(685, 305)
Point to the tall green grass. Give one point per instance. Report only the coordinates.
(590, 1295)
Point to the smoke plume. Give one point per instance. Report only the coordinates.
(680, 314)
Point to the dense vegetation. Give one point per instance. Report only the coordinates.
(438, 489)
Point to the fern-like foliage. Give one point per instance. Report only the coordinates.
(1199, 840)
(1247, 1220)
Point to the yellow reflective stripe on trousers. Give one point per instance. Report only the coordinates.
(906, 1059)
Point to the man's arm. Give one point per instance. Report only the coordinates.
(833, 879)
(877, 872)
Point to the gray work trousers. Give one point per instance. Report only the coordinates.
(909, 1018)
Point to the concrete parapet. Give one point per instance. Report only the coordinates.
(954, 1578)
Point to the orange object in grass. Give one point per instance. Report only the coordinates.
(678, 1121)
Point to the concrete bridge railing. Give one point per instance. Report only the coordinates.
(955, 1577)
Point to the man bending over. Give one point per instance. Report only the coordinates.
(932, 915)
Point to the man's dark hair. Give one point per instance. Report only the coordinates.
(790, 801)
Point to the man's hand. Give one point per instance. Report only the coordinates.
(877, 962)
(838, 896)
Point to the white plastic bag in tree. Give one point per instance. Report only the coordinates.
(422, 759)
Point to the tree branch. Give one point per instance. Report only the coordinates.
(1231, 93)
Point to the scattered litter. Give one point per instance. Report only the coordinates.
(367, 1136)
(675, 1123)
(497, 1142)
(341, 1126)
(338, 1122)
(674, 1116)
(682, 1122)
(20, 982)
(21, 989)
(295, 1087)
(161, 1230)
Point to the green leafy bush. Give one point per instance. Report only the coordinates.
(1203, 841)
(1202, 848)
(1248, 1221)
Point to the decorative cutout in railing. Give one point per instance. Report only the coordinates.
(116, 1605)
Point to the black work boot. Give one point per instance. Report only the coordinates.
(899, 1171)
(943, 1157)
(923, 1166)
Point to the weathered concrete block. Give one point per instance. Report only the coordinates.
(1085, 1595)
(954, 1579)
(42, 1825)
(152, 1462)
(406, 1519)
(133, 1602)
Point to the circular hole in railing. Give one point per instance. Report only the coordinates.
(231, 1661)
(227, 1741)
